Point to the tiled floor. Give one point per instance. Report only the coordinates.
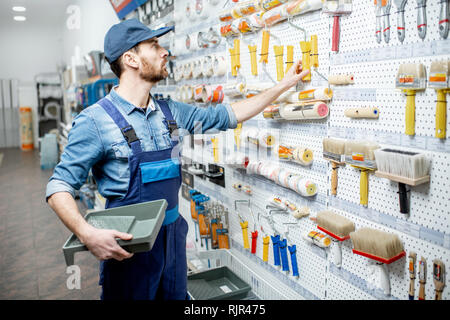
(32, 264)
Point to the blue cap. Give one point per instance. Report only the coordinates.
(125, 35)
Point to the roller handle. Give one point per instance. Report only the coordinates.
(386, 28)
(378, 26)
(422, 291)
(335, 37)
(244, 226)
(411, 289)
(422, 22)
(265, 46)
(283, 252)
(334, 178)
(253, 61)
(403, 198)
(276, 250)
(336, 250)
(293, 251)
(401, 25)
(384, 278)
(314, 51)
(444, 19)
(266, 248)
(410, 112)
(441, 114)
(364, 187)
(289, 57)
(254, 239)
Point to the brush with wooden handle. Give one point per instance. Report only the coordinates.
(383, 247)
(438, 278)
(412, 273)
(333, 151)
(422, 277)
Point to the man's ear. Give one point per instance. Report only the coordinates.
(131, 59)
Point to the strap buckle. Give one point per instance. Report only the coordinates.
(172, 126)
(129, 134)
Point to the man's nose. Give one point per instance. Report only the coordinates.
(164, 53)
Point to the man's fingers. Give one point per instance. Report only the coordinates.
(298, 67)
(122, 235)
(304, 73)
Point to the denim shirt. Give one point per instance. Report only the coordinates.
(96, 142)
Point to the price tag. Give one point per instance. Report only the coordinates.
(438, 145)
(447, 241)
(374, 55)
(391, 138)
(403, 226)
(419, 142)
(422, 49)
(389, 53)
(431, 236)
(441, 47)
(404, 51)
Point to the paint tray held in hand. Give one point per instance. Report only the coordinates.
(217, 284)
(142, 220)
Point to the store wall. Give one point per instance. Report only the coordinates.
(95, 18)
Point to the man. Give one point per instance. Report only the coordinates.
(126, 140)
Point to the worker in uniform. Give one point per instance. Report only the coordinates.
(128, 140)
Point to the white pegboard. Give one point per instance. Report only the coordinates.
(426, 230)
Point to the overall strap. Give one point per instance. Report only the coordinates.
(126, 129)
(170, 121)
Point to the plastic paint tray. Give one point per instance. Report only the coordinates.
(217, 284)
(142, 220)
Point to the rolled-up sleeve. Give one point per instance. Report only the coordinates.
(199, 119)
(84, 149)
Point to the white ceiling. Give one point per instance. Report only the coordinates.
(38, 13)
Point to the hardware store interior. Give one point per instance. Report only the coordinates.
(288, 149)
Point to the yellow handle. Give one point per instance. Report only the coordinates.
(244, 226)
(233, 62)
(215, 142)
(364, 187)
(306, 58)
(279, 61)
(237, 52)
(289, 57)
(314, 51)
(334, 178)
(253, 60)
(410, 113)
(441, 114)
(265, 46)
(266, 248)
(237, 135)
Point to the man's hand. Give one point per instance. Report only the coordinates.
(294, 75)
(103, 245)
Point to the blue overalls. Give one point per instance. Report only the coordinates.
(160, 273)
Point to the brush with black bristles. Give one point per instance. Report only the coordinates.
(404, 167)
(383, 247)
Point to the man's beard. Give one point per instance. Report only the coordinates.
(149, 74)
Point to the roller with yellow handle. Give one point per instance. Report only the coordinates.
(237, 52)
(289, 57)
(244, 226)
(237, 135)
(279, 51)
(215, 143)
(411, 77)
(439, 80)
(253, 61)
(233, 62)
(314, 51)
(266, 241)
(360, 155)
(265, 46)
(306, 58)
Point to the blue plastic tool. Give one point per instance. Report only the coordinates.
(282, 244)
(293, 252)
(276, 250)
